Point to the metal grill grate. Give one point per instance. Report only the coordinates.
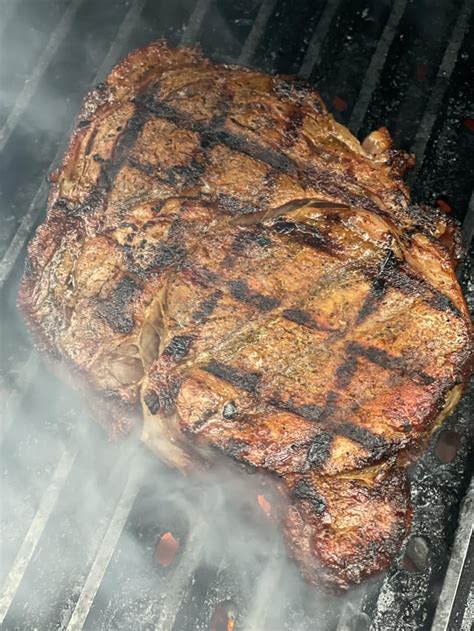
(65, 559)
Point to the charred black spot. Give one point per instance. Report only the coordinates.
(98, 158)
(310, 412)
(240, 291)
(166, 255)
(230, 410)
(207, 307)
(84, 123)
(114, 309)
(389, 362)
(304, 491)
(249, 238)
(179, 346)
(233, 206)
(152, 401)
(247, 381)
(320, 449)
(345, 372)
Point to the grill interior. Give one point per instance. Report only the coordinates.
(81, 517)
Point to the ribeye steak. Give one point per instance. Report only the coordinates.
(227, 268)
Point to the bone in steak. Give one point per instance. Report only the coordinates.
(227, 268)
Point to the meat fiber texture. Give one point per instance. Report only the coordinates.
(227, 270)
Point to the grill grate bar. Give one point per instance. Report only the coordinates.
(251, 43)
(35, 531)
(458, 560)
(45, 59)
(376, 66)
(312, 54)
(441, 84)
(103, 556)
(39, 200)
(194, 23)
(120, 39)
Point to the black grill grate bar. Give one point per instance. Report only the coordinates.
(441, 84)
(194, 24)
(251, 43)
(459, 559)
(376, 66)
(37, 205)
(104, 555)
(45, 59)
(314, 48)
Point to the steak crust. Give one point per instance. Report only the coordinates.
(226, 268)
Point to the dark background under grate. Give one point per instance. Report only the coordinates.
(404, 64)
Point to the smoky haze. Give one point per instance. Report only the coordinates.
(81, 515)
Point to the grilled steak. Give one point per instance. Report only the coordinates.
(228, 269)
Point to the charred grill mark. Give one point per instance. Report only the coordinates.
(373, 300)
(307, 235)
(305, 491)
(300, 317)
(206, 308)
(125, 144)
(148, 169)
(212, 133)
(384, 360)
(114, 309)
(309, 412)
(248, 381)
(345, 373)
(320, 449)
(405, 281)
(240, 291)
(179, 346)
(372, 442)
(378, 289)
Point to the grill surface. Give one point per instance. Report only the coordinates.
(81, 517)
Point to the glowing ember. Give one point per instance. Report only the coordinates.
(224, 617)
(421, 72)
(443, 204)
(264, 504)
(166, 549)
(339, 104)
(469, 124)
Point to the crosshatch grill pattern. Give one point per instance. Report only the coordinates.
(373, 63)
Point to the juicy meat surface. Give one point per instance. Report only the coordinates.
(227, 268)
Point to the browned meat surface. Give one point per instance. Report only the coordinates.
(227, 268)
